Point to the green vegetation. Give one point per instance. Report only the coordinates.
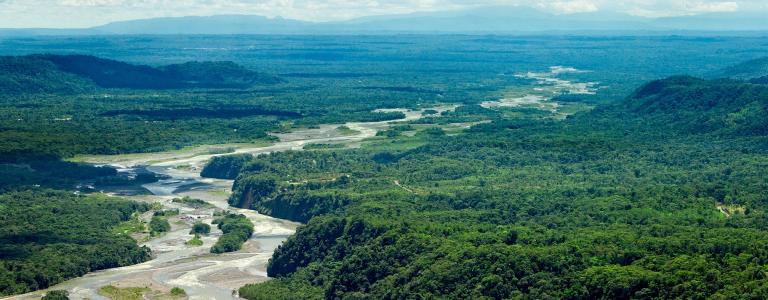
(51, 236)
(192, 202)
(761, 80)
(236, 228)
(133, 225)
(178, 292)
(166, 213)
(223, 150)
(129, 293)
(158, 225)
(344, 130)
(376, 117)
(108, 73)
(699, 106)
(746, 70)
(139, 293)
(200, 228)
(23, 75)
(195, 241)
(323, 146)
(225, 167)
(47, 172)
(295, 200)
(661, 195)
(281, 289)
(388, 133)
(56, 295)
(433, 132)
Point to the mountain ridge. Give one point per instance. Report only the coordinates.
(503, 19)
(49, 73)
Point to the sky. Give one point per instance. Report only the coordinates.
(87, 13)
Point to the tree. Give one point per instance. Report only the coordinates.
(159, 225)
(56, 295)
(200, 228)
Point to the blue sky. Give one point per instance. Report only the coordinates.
(85, 13)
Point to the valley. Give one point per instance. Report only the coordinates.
(201, 274)
(383, 167)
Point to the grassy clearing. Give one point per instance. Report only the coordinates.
(140, 293)
(134, 225)
(345, 131)
(192, 202)
(323, 146)
(398, 144)
(130, 293)
(195, 241)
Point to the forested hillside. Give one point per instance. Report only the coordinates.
(562, 172)
(31, 75)
(64, 105)
(760, 80)
(51, 236)
(71, 74)
(24, 170)
(662, 195)
(82, 70)
(746, 70)
(718, 106)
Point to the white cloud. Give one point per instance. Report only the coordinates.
(714, 7)
(651, 8)
(574, 6)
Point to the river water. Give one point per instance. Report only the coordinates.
(201, 274)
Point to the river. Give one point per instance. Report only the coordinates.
(201, 274)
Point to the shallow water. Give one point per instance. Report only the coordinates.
(547, 86)
(201, 274)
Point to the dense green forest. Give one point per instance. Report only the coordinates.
(23, 75)
(744, 71)
(56, 105)
(51, 236)
(661, 195)
(236, 228)
(60, 106)
(60, 74)
(17, 172)
(64, 103)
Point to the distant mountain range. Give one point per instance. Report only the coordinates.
(481, 20)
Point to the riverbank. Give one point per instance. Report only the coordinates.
(201, 274)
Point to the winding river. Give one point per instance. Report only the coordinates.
(201, 274)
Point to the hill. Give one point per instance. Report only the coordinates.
(745, 71)
(651, 198)
(761, 80)
(51, 236)
(19, 75)
(698, 105)
(76, 73)
(115, 74)
(221, 74)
